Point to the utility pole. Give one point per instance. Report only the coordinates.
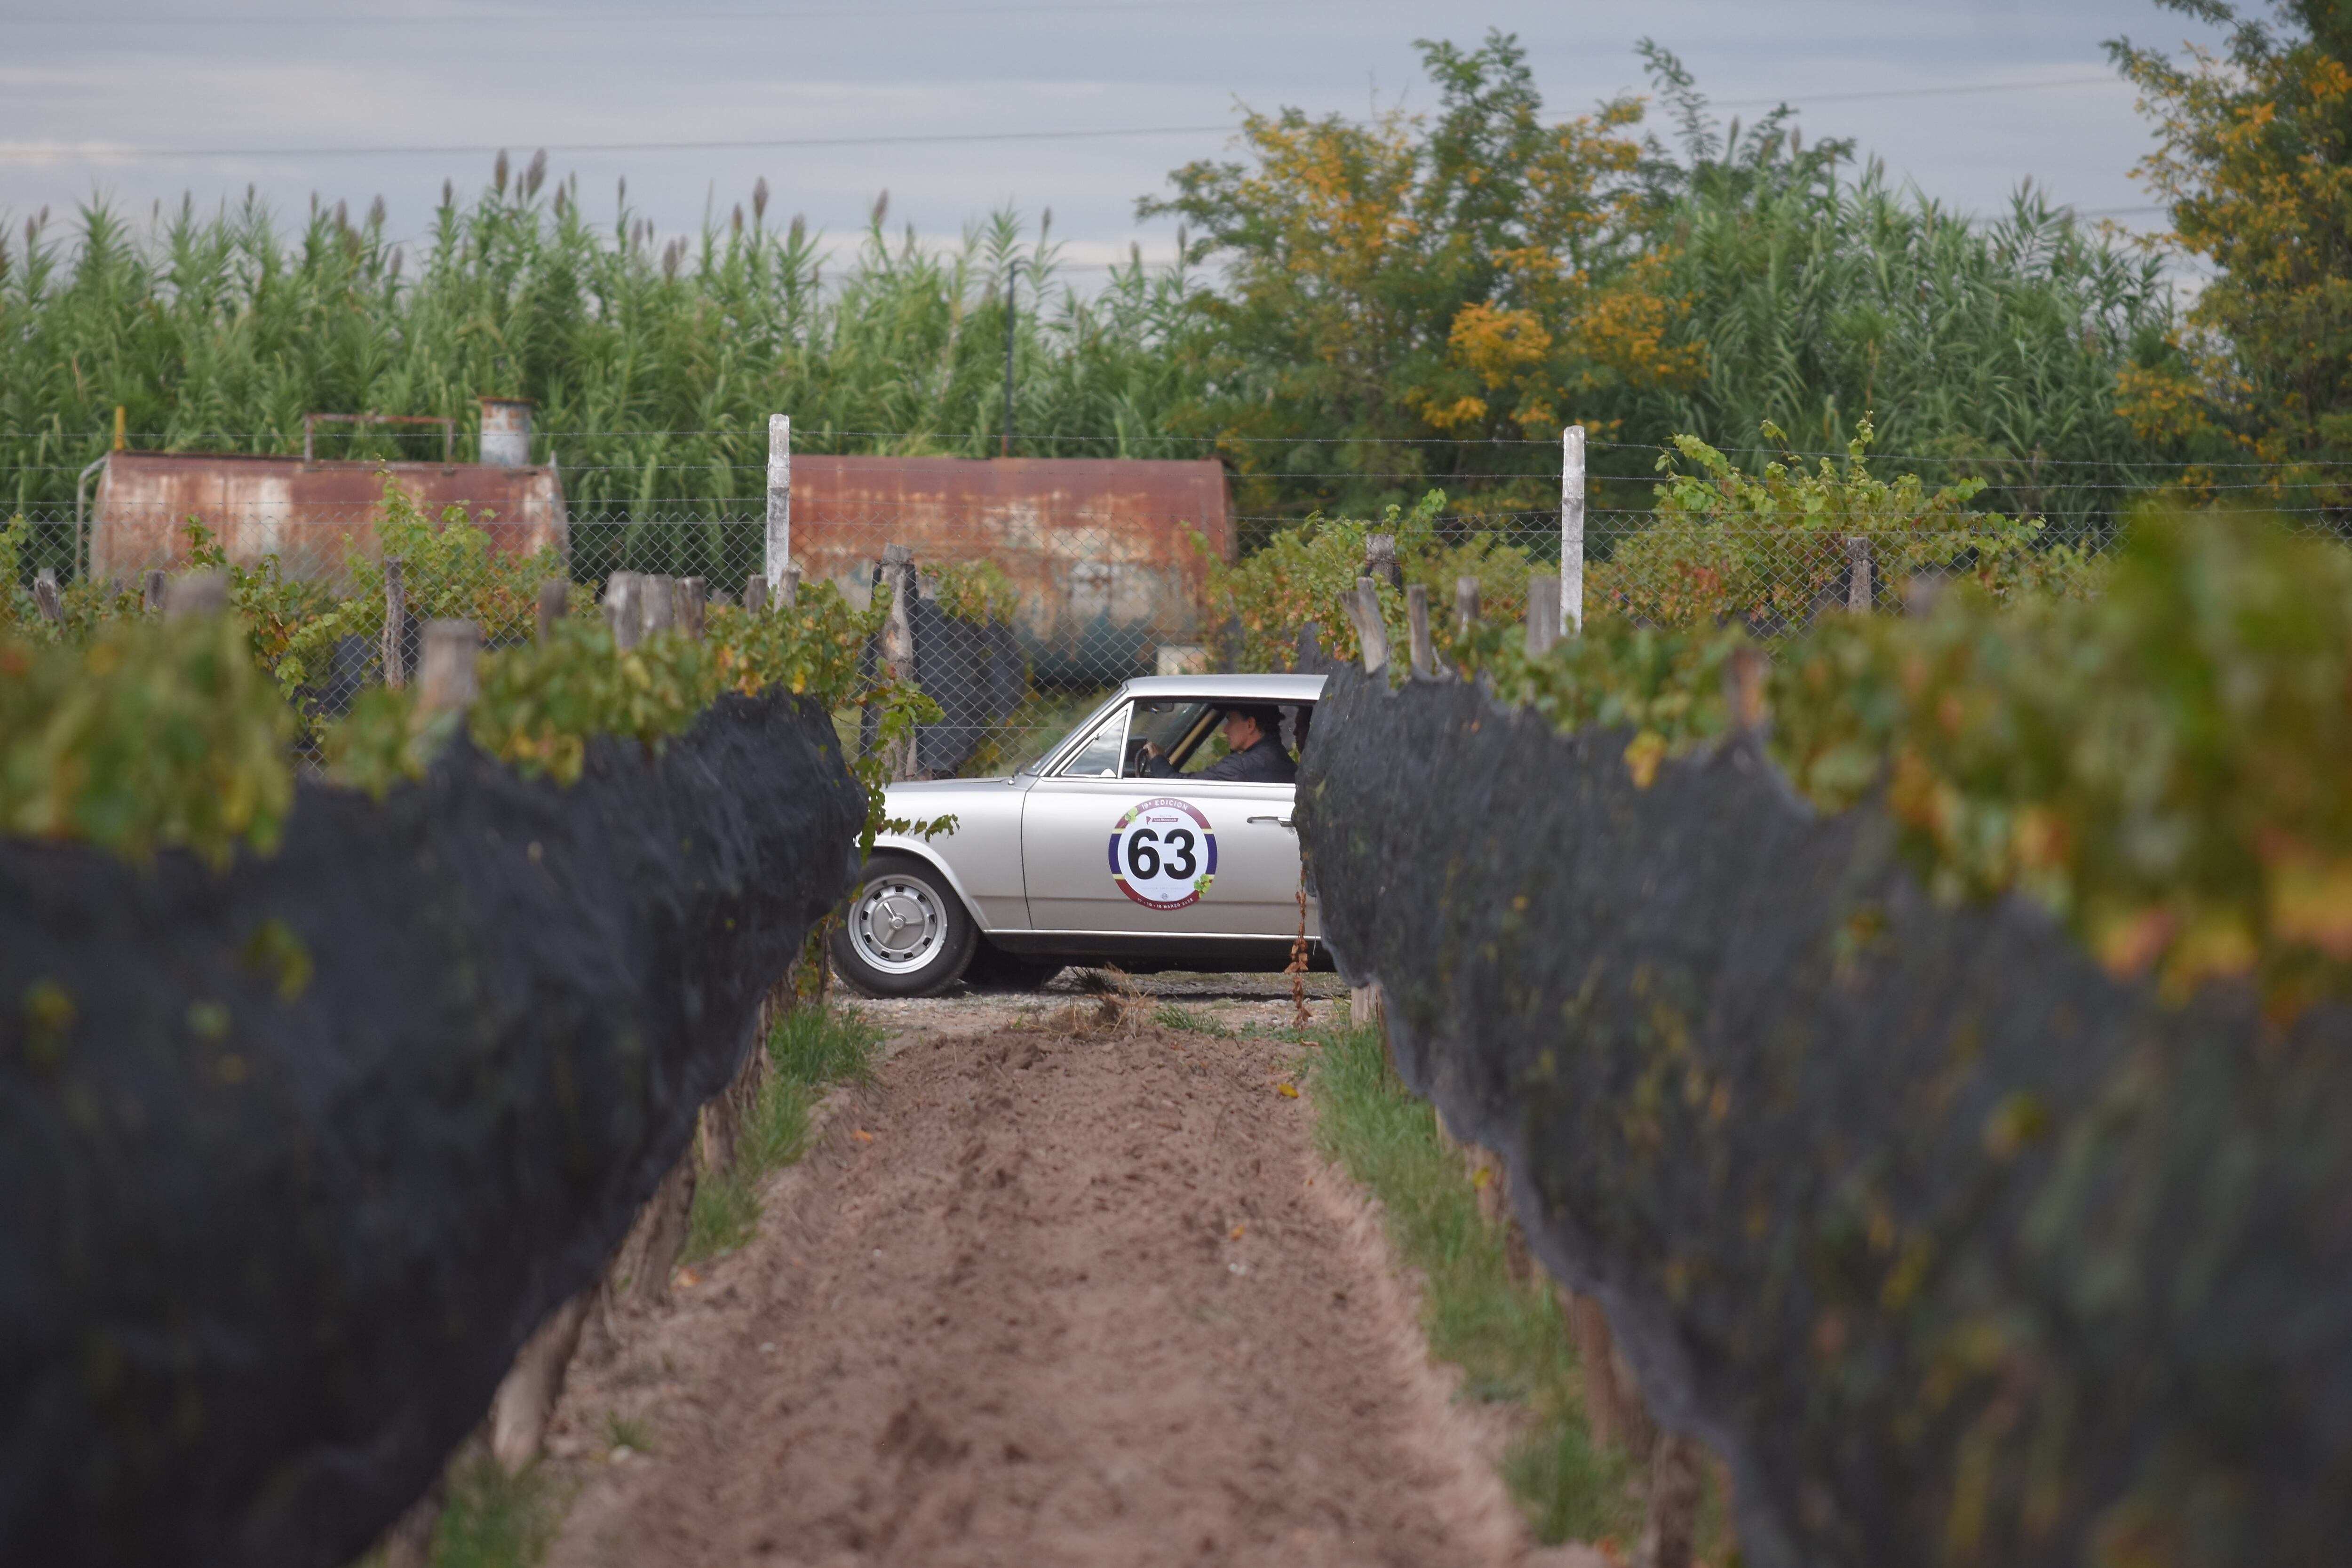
(1012, 308)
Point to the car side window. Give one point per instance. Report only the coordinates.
(1099, 757)
(1173, 725)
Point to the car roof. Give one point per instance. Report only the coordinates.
(1262, 688)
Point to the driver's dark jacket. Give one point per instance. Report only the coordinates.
(1266, 763)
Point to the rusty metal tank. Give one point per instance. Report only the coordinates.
(1109, 554)
(312, 515)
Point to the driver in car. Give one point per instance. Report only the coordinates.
(1253, 735)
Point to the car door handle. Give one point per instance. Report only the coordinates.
(1277, 821)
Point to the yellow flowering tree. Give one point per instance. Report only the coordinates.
(1398, 285)
(2254, 159)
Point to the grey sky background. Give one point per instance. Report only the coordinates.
(1965, 98)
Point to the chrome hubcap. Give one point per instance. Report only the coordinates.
(896, 926)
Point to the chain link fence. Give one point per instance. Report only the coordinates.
(1040, 583)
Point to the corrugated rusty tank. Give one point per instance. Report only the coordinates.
(1103, 551)
(312, 515)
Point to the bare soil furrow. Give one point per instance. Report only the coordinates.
(1045, 1298)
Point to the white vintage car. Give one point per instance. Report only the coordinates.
(1111, 848)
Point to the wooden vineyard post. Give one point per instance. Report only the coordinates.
(1744, 691)
(898, 643)
(46, 598)
(1612, 1401)
(622, 591)
(1857, 561)
(526, 1397)
(691, 600)
(446, 678)
(196, 594)
(395, 624)
(755, 595)
(788, 588)
(1380, 561)
(1297, 968)
(1672, 1524)
(1363, 610)
(658, 603)
(1465, 609)
(409, 1542)
(1543, 614)
(153, 602)
(555, 604)
(1416, 619)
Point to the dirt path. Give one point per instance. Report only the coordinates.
(1043, 1297)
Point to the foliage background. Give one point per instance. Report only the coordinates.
(1363, 310)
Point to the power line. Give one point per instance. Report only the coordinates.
(26, 153)
(569, 20)
(1963, 89)
(22, 151)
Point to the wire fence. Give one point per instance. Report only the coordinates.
(1037, 594)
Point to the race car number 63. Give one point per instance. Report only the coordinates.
(1163, 854)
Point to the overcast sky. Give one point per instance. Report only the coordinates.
(1965, 97)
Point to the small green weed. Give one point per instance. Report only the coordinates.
(1169, 1015)
(624, 1432)
(809, 1050)
(494, 1520)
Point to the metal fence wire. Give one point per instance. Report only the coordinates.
(1035, 592)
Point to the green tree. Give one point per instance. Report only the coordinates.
(1822, 300)
(2254, 161)
(1396, 288)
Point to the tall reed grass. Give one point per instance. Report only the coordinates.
(655, 360)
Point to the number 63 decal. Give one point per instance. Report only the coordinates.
(1163, 854)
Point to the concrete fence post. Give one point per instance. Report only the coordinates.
(1571, 528)
(780, 497)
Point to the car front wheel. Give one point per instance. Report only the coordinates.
(906, 935)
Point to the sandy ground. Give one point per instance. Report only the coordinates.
(1046, 1292)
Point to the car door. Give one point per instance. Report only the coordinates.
(1103, 851)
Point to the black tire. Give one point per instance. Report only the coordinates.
(907, 933)
(995, 969)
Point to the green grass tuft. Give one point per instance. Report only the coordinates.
(625, 1432)
(809, 1050)
(1169, 1015)
(1508, 1336)
(494, 1520)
